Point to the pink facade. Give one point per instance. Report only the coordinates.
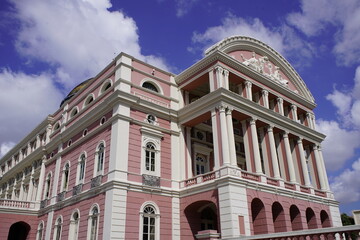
(226, 149)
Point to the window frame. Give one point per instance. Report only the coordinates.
(90, 221)
(98, 172)
(74, 225)
(156, 215)
(154, 83)
(40, 231)
(154, 137)
(58, 226)
(65, 178)
(82, 180)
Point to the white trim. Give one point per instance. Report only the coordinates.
(72, 224)
(154, 137)
(157, 219)
(74, 111)
(87, 99)
(89, 221)
(96, 160)
(78, 181)
(63, 177)
(56, 225)
(40, 237)
(102, 87)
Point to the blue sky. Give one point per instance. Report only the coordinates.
(48, 46)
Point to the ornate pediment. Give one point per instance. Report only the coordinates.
(265, 67)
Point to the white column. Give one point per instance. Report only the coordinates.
(211, 80)
(240, 89)
(219, 76)
(265, 97)
(274, 158)
(289, 159)
(226, 79)
(224, 136)
(38, 141)
(313, 120)
(189, 153)
(324, 168)
(230, 129)
(294, 112)
(280, 104)
(216, 143)
(303, 163)
(246, 146)
(319, 166)
(41, 180)
(309, 120)
(248, 86)
(255, 145)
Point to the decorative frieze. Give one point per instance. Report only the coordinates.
(96, 181)
(77, 189)
(150, 180)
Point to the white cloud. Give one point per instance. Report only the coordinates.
(233, 25)
(5, 147)
(184, 6)
(342, 101)
(78, 38)
(25, 100)
(316, 16)
(339, 145)
(346, 186)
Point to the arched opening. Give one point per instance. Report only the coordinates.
(258, 217)
(295, 218)
(311, 219)
(278, 217)
(325, 221)
(19, 231)
(150, 86)
(202, 215)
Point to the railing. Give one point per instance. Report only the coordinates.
(250, 176)
(208, 177)
(320, 193)
(60, 196)
(290, 186)
(272, 181)
(16, 204)
(341, 233)
(304, 189)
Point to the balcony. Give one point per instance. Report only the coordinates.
(6, 203)
(60, 196)
(251, 177)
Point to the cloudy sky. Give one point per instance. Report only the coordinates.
(49, 46)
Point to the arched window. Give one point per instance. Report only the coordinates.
(106, 85)
(100, 158)
(150, 86)
(73, 112)
(149, 219)
(201, 164)
(258, 216)
(40, 231)
(56, 126)
(89, 100)
(278, 215)
(66, 173)
(324, 217)
(93, 223)
(295, 218)
(58, 228)
(47, 186)
(81, 168)
(311, 219)
(150, 157)
(74, 226)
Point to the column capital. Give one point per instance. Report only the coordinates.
(219, 69)
(252, 120)
(222, 108)
(226, 72)
(308, 114)
(293, 107)
(280, 100)
(229, 110)
(270, 128)
(315, 146)
(265, 92)
(285, 134)
(299, 140)
(248, 84)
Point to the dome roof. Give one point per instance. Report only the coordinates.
(75, 90)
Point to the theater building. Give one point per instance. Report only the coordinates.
(226, 149)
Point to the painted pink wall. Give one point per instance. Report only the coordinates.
(8, 219)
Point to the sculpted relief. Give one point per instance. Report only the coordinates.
(265, 67)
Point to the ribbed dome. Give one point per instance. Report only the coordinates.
(75, 90)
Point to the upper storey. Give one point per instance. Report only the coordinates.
(258, 63)
(264, 60)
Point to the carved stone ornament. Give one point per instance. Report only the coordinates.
(96, 181)
(262, 63)
(150, 180)
(77, 189)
